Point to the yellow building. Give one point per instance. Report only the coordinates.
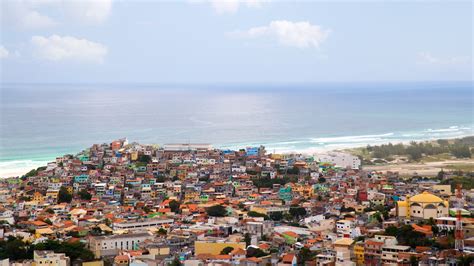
(359, 253)
(215, 248)
(38, 197)
(134, 156)
(52, 194)
(422, 206)
(304, 191)
(93, 263)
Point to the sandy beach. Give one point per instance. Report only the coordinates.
(424, 168)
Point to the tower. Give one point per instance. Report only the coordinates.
(458, 233)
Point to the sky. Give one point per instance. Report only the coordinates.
(254, 41)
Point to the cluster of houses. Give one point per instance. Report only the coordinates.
(192, 204)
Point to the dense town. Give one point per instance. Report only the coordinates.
(125, 203)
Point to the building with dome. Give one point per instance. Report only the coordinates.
(422, 206)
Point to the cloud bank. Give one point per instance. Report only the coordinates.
(428, 58)
(32, 15)
(4, 53)
(294, 34)
(231, 6)
(67, 48)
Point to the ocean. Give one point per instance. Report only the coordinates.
(39, 122)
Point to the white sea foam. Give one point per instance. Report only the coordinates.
(348, 139)
(19, 167)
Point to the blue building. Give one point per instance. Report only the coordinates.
(252, 151)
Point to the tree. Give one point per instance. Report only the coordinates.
(255, 252)
(297, 212)
(85, 195)
(162, 231)
(226, 250)
(247, 239)
(257, 214)
(321, 180)
(15, 249)
(414, 261)
(49, 210)
(74, 250)
(461, 151)
(175, 262)
(414, 152)
(146, 209)
(144, 158)
(64, 195)
(174, 206)
(465, 260)
(305, 254)
(391, 231)
(216, 211)
(276, 216)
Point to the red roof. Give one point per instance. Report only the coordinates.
(288, 258)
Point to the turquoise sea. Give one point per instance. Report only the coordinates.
(41, 121)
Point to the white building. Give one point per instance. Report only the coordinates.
(142, 225)
(390, 253)
(340, 159)
(48, 257)
(111, 245)
(187, 147)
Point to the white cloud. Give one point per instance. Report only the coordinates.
(296, 34)
(4, 53)
(66, 48)
(88, 11)
(38, 14)
(22, 14)
(231, 6)
(428, 58)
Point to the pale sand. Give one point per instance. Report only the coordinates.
(423, 169)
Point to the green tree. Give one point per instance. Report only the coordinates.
(414, 261)
(297, 212)
(276, 216)
(15, 249)
(175, 262)
(247, 239)
(84, 194)
(216, 211)
(162, 231)
(74, 250)
(144, 158)
(257, 214)
(414, 152)
(466, 260)
(226, 250)
(174, 206)
(461, 151)
(64, 195)
(305, 255)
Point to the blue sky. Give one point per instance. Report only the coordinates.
(235, 41)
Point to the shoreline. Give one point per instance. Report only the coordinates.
(17, 168)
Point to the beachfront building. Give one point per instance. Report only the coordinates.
(422, 206)
(339, 159)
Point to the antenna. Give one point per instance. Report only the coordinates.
(458, 233)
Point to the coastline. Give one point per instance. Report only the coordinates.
(16, 168)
